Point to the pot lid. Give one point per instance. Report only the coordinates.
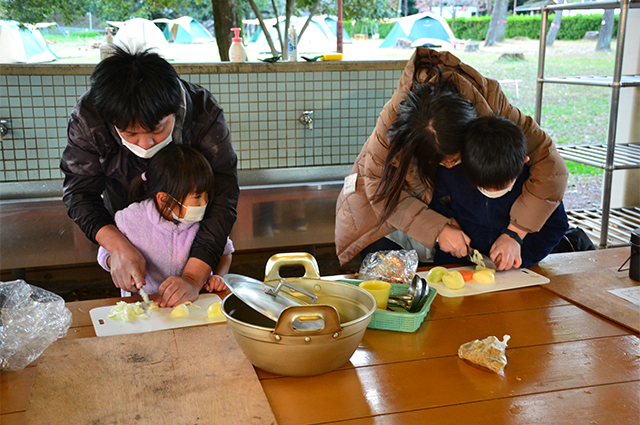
(267, 299)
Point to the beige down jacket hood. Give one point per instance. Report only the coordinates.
(358, 215)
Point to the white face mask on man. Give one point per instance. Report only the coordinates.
(193, 214)
(148, 153)
(497, 193)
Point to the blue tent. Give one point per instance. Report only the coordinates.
(426, 26)
(22, 44)
(185, 30)
(332, 23)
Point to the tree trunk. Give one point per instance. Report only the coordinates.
(265, 30)
(490, 4)
(555, 26)
(453, 19)
(497, 24)
(501, 11)
(225, 17)
(606, 30)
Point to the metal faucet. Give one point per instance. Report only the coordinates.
(4, 128)
(306, 119)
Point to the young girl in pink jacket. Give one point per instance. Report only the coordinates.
(170, 199)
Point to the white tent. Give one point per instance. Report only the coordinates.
(317, 38)
(137, 34)
(22, 44)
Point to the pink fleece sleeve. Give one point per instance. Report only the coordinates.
(228, 248)
(103, 254)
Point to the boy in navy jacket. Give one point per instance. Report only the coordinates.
(478, 193)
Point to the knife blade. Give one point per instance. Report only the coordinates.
(482, 260)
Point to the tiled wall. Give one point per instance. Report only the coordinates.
(262, 104)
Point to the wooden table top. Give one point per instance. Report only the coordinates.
(566, 363)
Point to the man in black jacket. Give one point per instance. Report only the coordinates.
(137, 105)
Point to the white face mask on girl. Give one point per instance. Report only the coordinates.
(497, 193)
(147, 153)
(192, 214)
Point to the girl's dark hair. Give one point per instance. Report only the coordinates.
(135, 88)
(494, 153)
(431, 125)
(178, 170)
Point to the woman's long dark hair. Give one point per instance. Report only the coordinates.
(431, 125)
(178, 170)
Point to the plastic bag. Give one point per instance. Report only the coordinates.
(489, 353)
(31, 318)
(390, 266)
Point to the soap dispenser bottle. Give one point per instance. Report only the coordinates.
(236, 51)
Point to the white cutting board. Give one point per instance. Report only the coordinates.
(158, 319)
(516, 278)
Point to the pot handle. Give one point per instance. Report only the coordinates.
(308, 261)
(306, 314)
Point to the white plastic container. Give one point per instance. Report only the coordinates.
(293, 44)
(236, 51)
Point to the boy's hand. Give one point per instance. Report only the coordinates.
(177, 290)
(215, 283)
(454, 241)
(505, 252)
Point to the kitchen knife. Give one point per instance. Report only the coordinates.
(482, 260)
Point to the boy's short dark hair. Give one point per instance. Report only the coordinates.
(135, 88)
(494, 153)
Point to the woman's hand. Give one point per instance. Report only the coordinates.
(215, 283)
(505, 253)
(177, 290)
(128, 266)
(454, 241)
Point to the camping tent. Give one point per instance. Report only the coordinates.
(22, 44)
(140, 33)
(432, 28)
(332, 23)
(185, 30)
(317, 38)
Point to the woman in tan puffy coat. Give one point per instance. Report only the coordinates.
(376, 210)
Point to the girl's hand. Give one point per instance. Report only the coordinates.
(177, 290)
(505, 252)
(454, 241)
(215, 283)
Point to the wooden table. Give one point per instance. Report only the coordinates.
(566, 364)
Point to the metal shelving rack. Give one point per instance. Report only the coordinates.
(614, 225)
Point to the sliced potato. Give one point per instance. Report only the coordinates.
(180, 311)
(435, 274)
(480, 269)
(484, 276)
(214, 311)
(453, 280)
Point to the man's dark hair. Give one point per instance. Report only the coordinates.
(135, 88)
(431, 125)
(494, 152)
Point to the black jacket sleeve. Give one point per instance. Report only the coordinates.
(210, 134)
(84, 180)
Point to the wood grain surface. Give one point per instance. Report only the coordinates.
(591, 290)
(193, 375)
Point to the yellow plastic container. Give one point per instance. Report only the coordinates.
(332, 57)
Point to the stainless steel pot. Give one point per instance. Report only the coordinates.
(307, 339)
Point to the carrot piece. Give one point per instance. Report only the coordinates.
(467, 275)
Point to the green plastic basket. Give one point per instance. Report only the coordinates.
(399, 321)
